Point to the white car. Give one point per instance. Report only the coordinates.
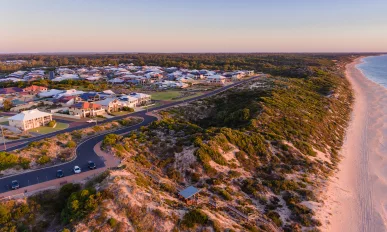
(91, 121)
(77, 169)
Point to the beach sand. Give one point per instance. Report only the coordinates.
(355, 199)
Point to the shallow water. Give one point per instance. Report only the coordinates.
(375, 69)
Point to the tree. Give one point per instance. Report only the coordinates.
(52, 123)
(7, 104)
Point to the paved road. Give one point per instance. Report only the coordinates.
(85, 150)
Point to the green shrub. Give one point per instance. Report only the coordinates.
(275, 217)
(112, 222)
(52, 123)
(194, 217)
(44, 159)
(9, 160)
(110, 140)
(71, 144)
(126, 108)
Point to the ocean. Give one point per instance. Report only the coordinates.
(375, 69)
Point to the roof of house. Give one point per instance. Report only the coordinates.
(64, 99)
(127, 98)
(86, 105)
(108, 92)
(50, 93)
(216, 77)
(35, 88)
(139, 95)
(105, 102)
(87, 96)
(10, 90)
(28, 115)
(189, 192)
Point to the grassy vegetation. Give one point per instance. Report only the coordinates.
(48, 129)
(165, 95)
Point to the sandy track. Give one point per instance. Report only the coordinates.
(356, 197)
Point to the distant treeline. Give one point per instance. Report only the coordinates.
(291, 65)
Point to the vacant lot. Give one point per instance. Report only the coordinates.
(165, 95)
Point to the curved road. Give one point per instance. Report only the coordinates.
(85, 150)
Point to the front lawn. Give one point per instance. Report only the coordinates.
(46, 129)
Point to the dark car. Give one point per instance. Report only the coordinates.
(59, 174)
(91, 165)
(15, 184)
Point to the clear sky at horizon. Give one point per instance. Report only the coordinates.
(193, 26)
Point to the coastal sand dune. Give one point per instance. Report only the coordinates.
(356, 197)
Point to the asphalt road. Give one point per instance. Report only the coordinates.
(85, 150)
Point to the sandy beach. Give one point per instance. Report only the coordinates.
(356, 197)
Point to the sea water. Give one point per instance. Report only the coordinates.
(375, 69)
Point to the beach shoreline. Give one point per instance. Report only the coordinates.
(354, 198)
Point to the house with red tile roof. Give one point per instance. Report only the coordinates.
(34, 89)
(86, 109)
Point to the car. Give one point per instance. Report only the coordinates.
(15, 184)
(77, 169)
(91, 165)
(91, 121)
(59, 174)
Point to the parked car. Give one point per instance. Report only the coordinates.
(15, 185)
(91, 165)
(59, 174)
(77, 169)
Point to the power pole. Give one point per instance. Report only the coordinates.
(2, 132)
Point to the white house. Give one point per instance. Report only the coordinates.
(142, 98)
(30, 119)
(116, 80)
(109, 104)
(70, 92)
(216, 80)
(66, 77)
(50, 93)
(128, 101)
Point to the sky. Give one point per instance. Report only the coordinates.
(32, 26)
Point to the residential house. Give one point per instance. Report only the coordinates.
(90, 97)
(30, 119)
(171, 84)
(66, 77)
(216, 80)
(70, 92)
(67, 100)
(34, 89)
(116, 80)
(128, 101)
(11, 79)
(18, 74)
(143, 99)
(10, 91)
(50, 93)
(86, 109)
(110, 104)
(34, 75)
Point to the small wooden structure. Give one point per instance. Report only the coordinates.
(189, 195)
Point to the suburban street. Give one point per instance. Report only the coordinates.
(85, 150)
